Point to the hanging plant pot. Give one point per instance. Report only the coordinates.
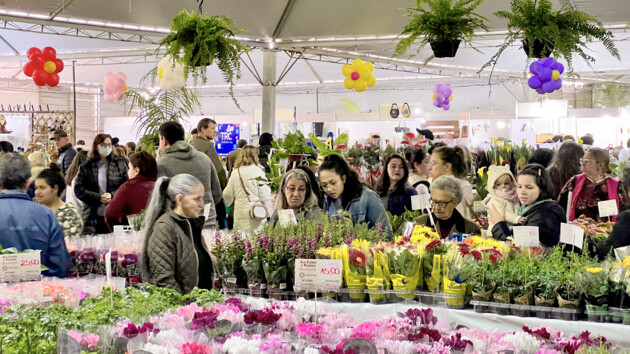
(539, 49)
(446, 48)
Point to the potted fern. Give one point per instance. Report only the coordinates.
(199, 41)
(546, 32)
(443, 24)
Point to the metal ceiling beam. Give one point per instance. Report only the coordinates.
(60, 8)
(283, 19)
(9, 45)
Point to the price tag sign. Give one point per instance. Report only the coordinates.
(287, 217)
(30, 266)
(10, 268)
(607, 208)
(206, 210)
(572, 235)
(422, 201)
(314, 275)
(526, 236)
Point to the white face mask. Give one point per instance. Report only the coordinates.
(105, 150)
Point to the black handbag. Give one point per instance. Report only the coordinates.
(394, 112)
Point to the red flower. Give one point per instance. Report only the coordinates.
(341, 146)
(464, 249)
(405, 142)
(359, 146)
(410, 135)
(433, 245)
(356, 257)
(477, 255)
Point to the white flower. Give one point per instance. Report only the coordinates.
(155, 349)
(256, 303)
(525, 343)
(238, 345)
(394, 346)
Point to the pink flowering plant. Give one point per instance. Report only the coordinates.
(227, 252)
(87, 341)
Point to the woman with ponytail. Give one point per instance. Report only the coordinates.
(454, 161)
(174, 255)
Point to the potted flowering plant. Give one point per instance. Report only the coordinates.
(405, 270)
(354, 258)
(482, 284)
(432, 261)
(548, 278)
(274, 264)
(252, 266)
(227, 253)
(593, 283)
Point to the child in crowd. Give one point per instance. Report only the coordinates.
(502, 194)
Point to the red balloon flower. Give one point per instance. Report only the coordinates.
(43, 66)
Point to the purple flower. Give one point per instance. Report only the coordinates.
(243, 307)
(327, 241)
(264, 316)
(264, 242)
(248, 249)
(456, 342)
(130, 331)
(292, 243)
(201, 320)
(349, 239)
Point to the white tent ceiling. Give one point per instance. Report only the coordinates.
(323, 30)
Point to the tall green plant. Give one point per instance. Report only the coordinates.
(613, 96)
(439, 20)
(563, 33)
(199, 41)
(165, 106)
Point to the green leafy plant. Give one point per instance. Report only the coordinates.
(441, 20)
(292, 144)
(548, 276)
(561, 33)
(403, 262)
(165, 106)
(398, 221)
(198, 41)
(340, 143)
(613, 96)
(617, 169)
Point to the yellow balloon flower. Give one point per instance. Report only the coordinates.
(358, 75)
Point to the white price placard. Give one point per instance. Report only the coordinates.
(315, 275)
(572, 235)
(286, 217)
(526, 236)
(421, 201)
(408, 229)
(30, 266)
(607, 208)
(10, 268)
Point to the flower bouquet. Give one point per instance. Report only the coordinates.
(432, 261)
(354, 260)
(403, 265)
(274, 264)
(252, 266)
(105, 245)
(593, 282)
(227, 252)
(129, 251)
(376, 281)
(459, 269)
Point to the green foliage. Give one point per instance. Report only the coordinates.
(26, 329)
(165, 106)
(564, 32)
(549, 274)
(438, 20)
(617, 169)
(398, 221)
(292, 143)
(613, 96)
(323, 150)
(204, 40)
(482, 273)
(403, 262)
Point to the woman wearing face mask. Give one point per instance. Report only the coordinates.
(49, 187)
(446, 194)
(535, 190)
(454, 161)
(134, 194)
(593, 185)
(393, 188)
(344, 192)
(97, 182)
(296, 193)
(174, 255)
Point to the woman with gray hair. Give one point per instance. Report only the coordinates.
(446, 194)
(296, 193)
(174, 255)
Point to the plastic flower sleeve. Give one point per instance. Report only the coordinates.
(404, 267)
(353, 261)
(375, 280)
(86, 258)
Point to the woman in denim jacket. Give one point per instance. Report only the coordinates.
(393, 188)
(344, 192)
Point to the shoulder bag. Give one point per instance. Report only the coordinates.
(258, 210)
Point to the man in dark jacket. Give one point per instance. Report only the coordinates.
(204, 142)
(177, 156)
(25, 224)
(66, 151)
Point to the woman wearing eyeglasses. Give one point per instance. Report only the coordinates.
(446, 194)
(98, 180)
(592, 186)
(345, 193)
(296, 193)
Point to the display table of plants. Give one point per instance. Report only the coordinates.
(146, 319)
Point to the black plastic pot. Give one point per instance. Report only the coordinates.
(446, 48)
(539, 50)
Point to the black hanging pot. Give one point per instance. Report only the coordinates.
(445, 48)
(540, 49)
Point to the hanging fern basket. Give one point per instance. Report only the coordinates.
(446, 48)
(540, 49)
